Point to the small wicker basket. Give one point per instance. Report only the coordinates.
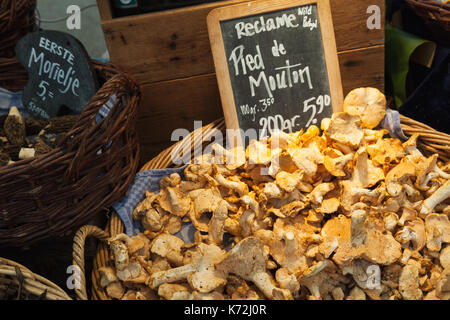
(17, 18)
(436, 15)
(53, 194)
(19, 283)
(430, 140)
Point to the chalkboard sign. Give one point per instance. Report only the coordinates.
(61, 79)
(276, 65)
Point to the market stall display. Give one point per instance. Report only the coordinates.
(338, 199)
(332, 206)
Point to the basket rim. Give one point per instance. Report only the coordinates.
(33, 283)
(58, 150)
(442, 10)
(70, 160)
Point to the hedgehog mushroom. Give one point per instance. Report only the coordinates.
(240, 187)
(215, 295)
(321, 279)
(444, 257)
(427, 170)
(356, 294)
(168, 246)
(205, 201)
(336, 166)
(200, 273)
(386, 151)
(437, 228)
(352, 192)
(379, 247)
(248, 261)
(397, 176)
(412, 235)
(409, 282)
(358, 230)
(443, 285)
(120, 252)
(288, 242)
(329, 205)
(363, 273)
(107, 276)
(367, 103)
(174, 201)
(288, 181)
(281, 140)
(258, 153)
(126, 270)
(171, 291)
(316, 196)
(306, 159)
(287, 280)
(366, 173)
(437, 197)
(134, 244)
(115, 290)
(390, 221)
(217, 223)
(149, 216)
(233, 158)
(111, 283)
(346, 129)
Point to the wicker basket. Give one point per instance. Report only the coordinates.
(17, 18)
(431, 141)
(436, 15)
(52, 195)
(19, 283)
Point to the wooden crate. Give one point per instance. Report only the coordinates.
(169, 54)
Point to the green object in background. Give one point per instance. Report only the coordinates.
(400, 47)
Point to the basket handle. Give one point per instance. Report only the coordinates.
(87, 137)
(78, 254)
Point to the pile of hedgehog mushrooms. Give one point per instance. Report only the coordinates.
(348, 214)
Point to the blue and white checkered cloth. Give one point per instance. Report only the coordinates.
(147, 180)
(10, 99)
(106, 108)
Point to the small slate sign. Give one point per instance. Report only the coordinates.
(61, 78)
(276, 65)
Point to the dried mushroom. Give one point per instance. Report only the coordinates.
(346, 214)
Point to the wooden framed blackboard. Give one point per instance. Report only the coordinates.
(276, 64)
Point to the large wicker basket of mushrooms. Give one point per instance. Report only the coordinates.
(346, 213)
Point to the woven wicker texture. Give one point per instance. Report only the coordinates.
(19, 283)
(430, 140)
(436, 15)
(17, 18)
(53, 194)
